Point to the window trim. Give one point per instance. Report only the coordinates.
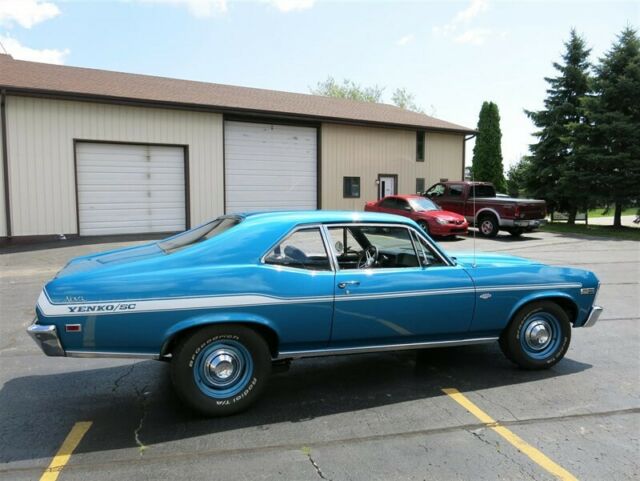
(344, 185)
(446, 262)
(290, 232)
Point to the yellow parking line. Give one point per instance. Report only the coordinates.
(64, 453)
(519, 443)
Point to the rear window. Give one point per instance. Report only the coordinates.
(483, 191)
(198, 234)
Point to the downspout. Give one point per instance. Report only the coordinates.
(464, 151)
(5, 160)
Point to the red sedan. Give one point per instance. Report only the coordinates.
(427, 214)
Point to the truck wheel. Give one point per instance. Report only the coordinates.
(221, 370)
(538, 336)
(488, 225)
(516, 232)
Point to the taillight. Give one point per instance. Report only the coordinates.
(517, 211)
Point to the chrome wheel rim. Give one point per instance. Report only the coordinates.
(486, 227)
(541, 335)
(223, 369)
(538, 335)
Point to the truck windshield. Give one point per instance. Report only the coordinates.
(198, 234)
(421, 204)
(483, 191)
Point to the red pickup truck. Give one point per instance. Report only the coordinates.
(478, 203)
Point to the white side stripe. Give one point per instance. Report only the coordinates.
(49, 308)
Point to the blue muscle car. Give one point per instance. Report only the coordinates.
(226, 300)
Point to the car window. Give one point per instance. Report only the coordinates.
(436, 190)
(422, 204)
(198, 234)
(455, 190)
(403, 205)
(392, 246)
(389, 203)
(426, 254)
(303, 249)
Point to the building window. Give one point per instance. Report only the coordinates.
(419, 185)
(351, 187)
(419, 146)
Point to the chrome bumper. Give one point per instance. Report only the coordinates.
(594, 315)
(47, 338)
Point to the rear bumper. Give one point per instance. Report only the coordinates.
(47, 338)
(526, 223)
(594, 315)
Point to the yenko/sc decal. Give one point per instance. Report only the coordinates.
(102, 308)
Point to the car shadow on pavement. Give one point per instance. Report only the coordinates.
(136, 401)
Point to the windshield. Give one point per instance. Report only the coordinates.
(421, 204)
(198, 234)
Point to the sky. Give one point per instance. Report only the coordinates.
(451, 55)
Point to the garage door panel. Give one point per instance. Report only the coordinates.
(130, 188)
(270, 167)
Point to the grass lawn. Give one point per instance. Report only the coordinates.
(599, 212)
(628, 233)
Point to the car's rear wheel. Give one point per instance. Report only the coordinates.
(538, 336)
(488, 225)
(516, 231)
(221, 370)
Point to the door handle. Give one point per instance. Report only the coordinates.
(344, 284)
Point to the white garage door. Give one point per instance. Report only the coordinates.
(269, 167)
(130, 189)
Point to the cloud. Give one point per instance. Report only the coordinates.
(21, 52)
(291, 5)
(474, 36)
(197, 8)
(407, 39)
(473, 10)
(26, 13)
(462, 20)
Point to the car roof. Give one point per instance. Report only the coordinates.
(320, 216)
(404, 196)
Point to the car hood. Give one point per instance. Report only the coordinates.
(482, 259)
(110, 258)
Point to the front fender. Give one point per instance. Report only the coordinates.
(212, 318)
(541, 296)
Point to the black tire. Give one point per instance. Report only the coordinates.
(194, 382)
(488, 225)
(519, 342)
(425, 226)
(517, 232)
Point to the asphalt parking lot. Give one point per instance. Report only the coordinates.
(365, 417)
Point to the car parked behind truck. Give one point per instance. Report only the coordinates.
(479, 204)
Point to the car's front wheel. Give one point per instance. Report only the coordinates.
(425, 226)
(538, 336)
(221, 370)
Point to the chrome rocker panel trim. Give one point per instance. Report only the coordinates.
(594, 315)
(112, 354)
(383, 348)
(46, 337)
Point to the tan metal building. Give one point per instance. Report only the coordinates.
(93, 152)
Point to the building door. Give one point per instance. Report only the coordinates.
(269, 167)
(387, 185)
(130, 189)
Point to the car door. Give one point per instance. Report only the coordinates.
(403, 298)
(453, 200)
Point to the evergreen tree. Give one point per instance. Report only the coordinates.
(487, 153)
(611, 139)
(555, 161)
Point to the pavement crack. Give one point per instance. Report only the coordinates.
(307, 452)
(491, 401)
(477, 433)
(144, 403)
(118, 381)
